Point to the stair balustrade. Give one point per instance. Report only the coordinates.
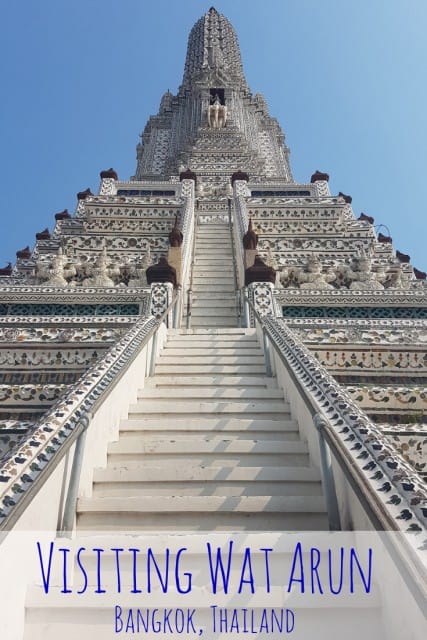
(367, 485)
(27, 478)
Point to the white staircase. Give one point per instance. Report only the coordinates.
(213, 281)
(209, 448)
(210, 445)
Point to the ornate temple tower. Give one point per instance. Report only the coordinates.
(212, 346)
(157, 289)
(214, 124)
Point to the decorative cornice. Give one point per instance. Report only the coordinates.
(73, 295)
(90, 321)
(398, 333)
(390, 398)
(344, 297)
(83, 335)
(298, 200)
(398, 323)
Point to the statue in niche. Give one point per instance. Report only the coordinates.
(58, 272)
(217, 114)
(312, 277)
(398, 279)
(250, 239)
(175, 236)
(100, 272)
(272, 262)
(361, 275)
(139, 278)
(283, 277)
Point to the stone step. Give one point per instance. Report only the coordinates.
(207, 521)
(211, 351)
(203, 269)
(213, 336)
(211, 312)
(225, 489)
(229, 345)
(206, 459)
(205, 274)
(217, 279)
(215, 295)
(212, 231)
(209, 423)
(187, 370)
(135, 487)
(202, 297)
(218, 242)
(228, 306)
(174, 432)
(213, 243)
(213, 445)
(174, 406)
(211, 268)
(207, 381)
(200, 341)
(233, 331)
(218, 288)
(207, 321)
(209, 300)
(203, 231)
(160, 474)
(236, 393)
(204, 286)
(164, 358)
(216, 255)
(207, 251)
(206, 230)
(215, 298)
(202, 504)
(202, 261)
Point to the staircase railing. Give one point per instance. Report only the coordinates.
(67, 423)
(190, 276)
(350, 449)
(355, 442)
(187, 226)
(239, 227)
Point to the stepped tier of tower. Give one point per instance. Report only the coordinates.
(219, 153)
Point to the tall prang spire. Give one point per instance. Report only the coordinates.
(213, 52)
(214, 125)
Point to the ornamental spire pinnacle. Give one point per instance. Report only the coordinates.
(213, 53)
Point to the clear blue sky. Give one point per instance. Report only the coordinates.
(346, 80)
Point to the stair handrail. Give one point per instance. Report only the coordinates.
(189, 308)
(240, 226)
(187, 227)
(235, 262)
(325, 397)
(66, 421)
